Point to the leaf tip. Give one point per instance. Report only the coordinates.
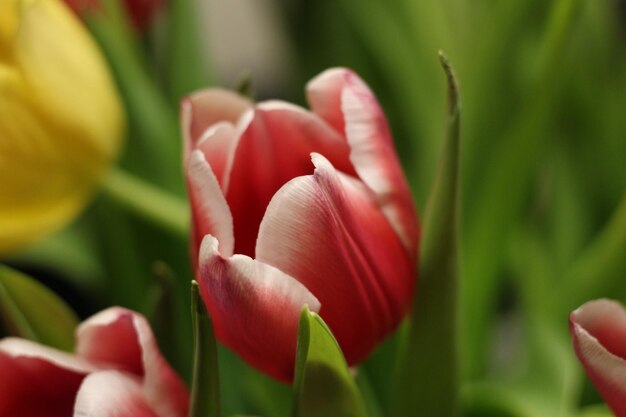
(453, 85)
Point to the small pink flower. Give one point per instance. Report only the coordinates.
(599, 334)
(293, 207)
(141, 12)
(115, 371)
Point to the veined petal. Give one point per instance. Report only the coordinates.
(327, 231)
(203, 109)
(344, 101)
(255, 308)
(218, 144)
(210, 212)
(599, 334)
(112, 394)
(36, 380)
(123, 339)
(274, 148)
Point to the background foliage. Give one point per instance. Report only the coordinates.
(543, 177)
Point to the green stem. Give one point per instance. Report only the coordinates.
(147, 201)
(154, 151)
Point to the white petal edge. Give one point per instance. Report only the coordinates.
(111, 394)
(160, 381)
(604, 364)
(22, 348)
(209, 202)
(249, 269)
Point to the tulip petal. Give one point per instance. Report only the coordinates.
(77, 90)
(36, 380)
(275, 147)
(255, 308)
(112, 394)
(210, 212)
(327, 231)
(203, 109)
(121, 338)
(218, 144)
(340, 97)
(599, 334)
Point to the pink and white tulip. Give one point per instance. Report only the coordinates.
(599, 335)
(141, 12)
(115, 371)
(293, 207)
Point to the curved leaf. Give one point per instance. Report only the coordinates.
(427, 378)
(205, 393)
(32, 311)
(323, 385)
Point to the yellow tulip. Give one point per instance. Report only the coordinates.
(61, 121)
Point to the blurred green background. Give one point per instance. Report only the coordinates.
(543, 217)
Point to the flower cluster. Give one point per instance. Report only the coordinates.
(115, 370)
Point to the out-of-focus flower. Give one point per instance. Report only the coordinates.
(61, 121)
(116, 370)
(141, 12)
(307, 207)
(599, 334)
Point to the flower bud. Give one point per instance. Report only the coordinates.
(293, 207)
(61, 121)
(599, 336)
(115, 370)
(141, 12)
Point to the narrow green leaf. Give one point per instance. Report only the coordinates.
(427, 380)
(323, 385)
(186, 66)
(205, 392)
(154, 150)
(32, 311)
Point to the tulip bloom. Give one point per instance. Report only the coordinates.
(140, 12)
(293, 207)
(117, 370)
(599, 334)
(61, 121)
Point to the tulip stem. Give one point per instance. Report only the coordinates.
(159, 207)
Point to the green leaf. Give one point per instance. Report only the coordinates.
(596, 411)
(32, 311)
(323, 385)
(185, 64)
(427, 380)
(154, 151)
(205, 392)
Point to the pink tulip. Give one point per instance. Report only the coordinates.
(293, 207)
(115, 371)
(599, 333)
(141, 12)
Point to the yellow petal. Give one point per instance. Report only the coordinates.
(61, 121)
